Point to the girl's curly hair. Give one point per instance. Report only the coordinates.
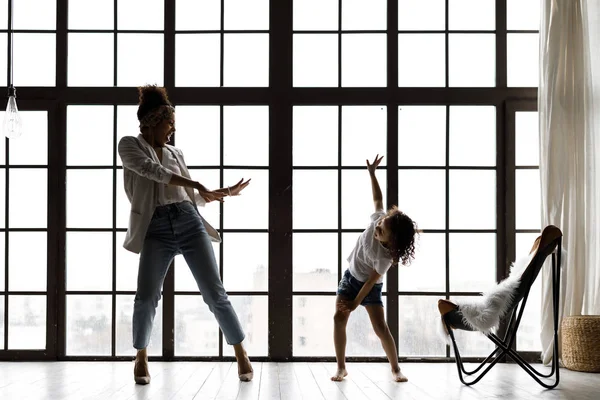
(404, 231)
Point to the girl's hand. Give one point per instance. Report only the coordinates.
(238, 187)
(347, 305)
(372, 167)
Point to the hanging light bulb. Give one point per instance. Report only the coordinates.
(12, 126)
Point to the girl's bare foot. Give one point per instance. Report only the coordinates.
(340, 374)
(399, 376)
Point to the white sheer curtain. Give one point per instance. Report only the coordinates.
(569, 112)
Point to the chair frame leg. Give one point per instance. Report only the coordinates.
(505, 346)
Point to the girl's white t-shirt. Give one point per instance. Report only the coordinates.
(369, 254)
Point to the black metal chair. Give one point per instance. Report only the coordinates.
(549, 243)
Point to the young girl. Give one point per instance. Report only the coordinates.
(389, 240)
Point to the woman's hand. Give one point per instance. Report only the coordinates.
(372, 167)
(209, 195)
(238, 187)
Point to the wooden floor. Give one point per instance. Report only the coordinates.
(285, 381)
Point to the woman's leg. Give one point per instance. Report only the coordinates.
(340, 320)
(199, 255)
(382, 330)
(155, 258)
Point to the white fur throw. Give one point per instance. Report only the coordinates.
(483, 313)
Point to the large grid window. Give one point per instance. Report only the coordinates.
(294, 94)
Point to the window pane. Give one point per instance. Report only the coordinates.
(246, 60)
(245, 261)
(522, 59)
(30, 51)
(471, 344)
(4, 16)
(2, 263)
(91, 59)
(422, 135)
(523, 14)
(473, 127)
(313, 329)
(428, 270)
(196, 329)
(2, 322)
(88, 325)
(255, 197)
(85, 14)
(315, 273)
(421, 15)
(472, 14)
(34, 14)
(85, 210)
(27, 269)
(198, 60)
(364, 133)
(528, 200)
(246, 14)
(127, 124)
(315, 15)
(253, 312)
(28, 194)
(197, 15)
(417, 334)
(184, 280)
(312, 326)
(315, 60)
(310, 211)
(27, 322)
(428, 209)
(472, 261)
(123, 204)
(315, 124)
(472, 60)
(246, 127)
(89, 261)
(211, 179)
(141, 14)
(127, 266)
(421, 60)
(364, 60)
(469, 208)
(32, 147)
(357, 198)
(133, 47)
(2, 196)
(3, 52)
(361, 15)
(528, 335)
(199, 134)
(123, 318)
(527, 138)
(83, 123)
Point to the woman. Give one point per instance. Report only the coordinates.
(164, 222)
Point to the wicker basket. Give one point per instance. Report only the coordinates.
(581, 343)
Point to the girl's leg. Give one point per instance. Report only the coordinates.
(340, 320)
(382, 330)
(199, 255)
